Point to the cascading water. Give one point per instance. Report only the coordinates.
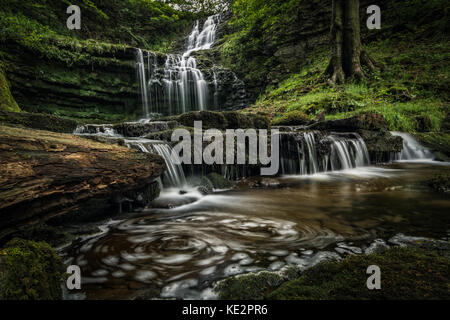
(140, 68)
(309, 153)
(412, 149)
(180, 86)
(174, 175)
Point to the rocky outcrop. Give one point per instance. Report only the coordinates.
(97, 83)
(372, 128)
(38, 121)
(45, 174)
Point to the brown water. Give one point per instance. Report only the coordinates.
(180, 252)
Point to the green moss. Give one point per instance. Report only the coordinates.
(7, 102)
(292, 118)
(30, 271)
(248, 286)
(405, 274)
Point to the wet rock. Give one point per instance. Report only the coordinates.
(268, 183)
(222, 120)
(219, 182)
(137, 129)
(440, 183)
(344, 248)
(440, 246)
(65, 174)
(377, 246)
(363, 121)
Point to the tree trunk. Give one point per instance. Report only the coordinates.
(347, 54)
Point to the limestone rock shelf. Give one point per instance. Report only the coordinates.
(45, 174)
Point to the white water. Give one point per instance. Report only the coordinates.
(174, 175)
(412, 149)
(303, 157)
(179, 86)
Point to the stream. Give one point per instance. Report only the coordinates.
(294, 220)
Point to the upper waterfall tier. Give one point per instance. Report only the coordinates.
(179, 85)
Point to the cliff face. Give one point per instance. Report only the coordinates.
(96, 84)
(45, 174)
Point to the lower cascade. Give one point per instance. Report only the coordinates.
(174, 175)
(313, 152)
(412, 149)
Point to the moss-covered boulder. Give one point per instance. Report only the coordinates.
(222, 120)
(30, 271)
(237, 120)
(364, 121)
(38, 121)
(219, 182)
(440, 183)
(437, 142)
(248, 286)
(293, 118)
(7, 102)
(210, 119)
(410, 274)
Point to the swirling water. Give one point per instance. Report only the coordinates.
(180, 247)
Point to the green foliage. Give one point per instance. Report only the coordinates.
(141, 23)
(406, 274)
(257, 29)
(30, 271)
(408, 89)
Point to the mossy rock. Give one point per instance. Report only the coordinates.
(363, 121)
(237, 120)
(219, 182)
(293, 118)
(210, 119)
(7, 102)
(248, 286)
(30, 271)
(440, 183)
(409, 274)
(222, 120)
(202, 183)
(38, 121)
(437, 142)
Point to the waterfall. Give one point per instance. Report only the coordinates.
(178, 86)
(140, 67)
(174, 175)
(310, 153)
(412, 149)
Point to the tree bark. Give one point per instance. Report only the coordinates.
(347, 54)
